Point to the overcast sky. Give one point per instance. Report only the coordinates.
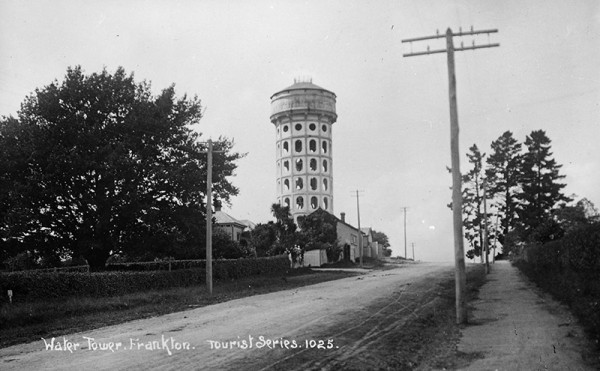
(391, 139)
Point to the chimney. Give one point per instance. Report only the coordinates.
(343, 215)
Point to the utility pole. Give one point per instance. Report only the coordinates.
(485, 229)
(209, 276)
(495, 239)
(413, 248)
(360, 245)
(405, 253)
(459, 255)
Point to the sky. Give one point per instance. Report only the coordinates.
(392, 137)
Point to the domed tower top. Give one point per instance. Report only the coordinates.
(303, 96)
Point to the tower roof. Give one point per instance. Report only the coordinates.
(302, 85)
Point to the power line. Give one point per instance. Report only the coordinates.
(360, 248)
(459, 256)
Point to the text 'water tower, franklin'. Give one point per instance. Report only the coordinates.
(303, 115)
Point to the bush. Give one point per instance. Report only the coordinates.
(569, 269)
(36, 285)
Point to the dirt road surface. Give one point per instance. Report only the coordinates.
(515, 326)
(350, 323)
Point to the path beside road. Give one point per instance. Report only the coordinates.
(513, 326)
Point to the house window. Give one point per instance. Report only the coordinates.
(354, 239)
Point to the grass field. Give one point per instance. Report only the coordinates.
(24, 322)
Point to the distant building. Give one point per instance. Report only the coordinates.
(228, 224)
(303, 115)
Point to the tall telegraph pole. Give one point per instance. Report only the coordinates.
(360, 244)
(209, 277)
(459, 255)
(405, 253)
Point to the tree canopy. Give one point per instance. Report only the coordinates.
(97, 165)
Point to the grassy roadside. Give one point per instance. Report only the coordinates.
(26, 322)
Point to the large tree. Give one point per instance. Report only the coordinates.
(540, 182)
(504, 176)
(96, 165)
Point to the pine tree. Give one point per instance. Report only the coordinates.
(473, 202)
(504, 174)
(541, 190)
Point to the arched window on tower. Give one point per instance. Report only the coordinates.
(314, 202)
(286, 165)
(313, 164)
(299, 202)
(325, 184)
(299, 183)
(313, 184)
(298, 146)
(312, 146)
(324, 146)
(286, 183)
(287, 202)
(286, 146)
(325, 166)
(326, 203)
(299, 164)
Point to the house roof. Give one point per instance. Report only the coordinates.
(224, 218)
(249, 224)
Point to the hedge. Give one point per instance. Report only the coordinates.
(35, 285)
(569, 269)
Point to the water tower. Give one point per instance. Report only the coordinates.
(303, 115)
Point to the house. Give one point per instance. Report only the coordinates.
(228, 224)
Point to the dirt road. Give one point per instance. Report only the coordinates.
(350, 323)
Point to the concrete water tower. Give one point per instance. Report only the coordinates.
(303, 115)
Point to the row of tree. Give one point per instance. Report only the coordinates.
(524, 191)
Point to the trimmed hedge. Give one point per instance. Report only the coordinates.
(569, 269)
(35, 285)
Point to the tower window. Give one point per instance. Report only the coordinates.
(314, 202)
(313, 164)
(324, 128)
(325, 183)
(285, 128)
(326, 203)
(312, 146)
(298, 146)
(313, 184)
(324, 146)
(287, 202)
(299, 183)
(298, 127)
(312, 127)
(299, 164)
(324, 166)
(286, 147)
(286, 183)
(300, 202)
(286, 165)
